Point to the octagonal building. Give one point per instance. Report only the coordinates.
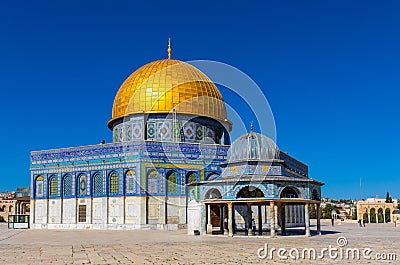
(169, 154)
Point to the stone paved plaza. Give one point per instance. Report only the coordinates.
(175, 247)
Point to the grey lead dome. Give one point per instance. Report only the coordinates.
(253, 146)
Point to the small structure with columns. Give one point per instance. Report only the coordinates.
(14, 206)
(259, 184)
(376, 210)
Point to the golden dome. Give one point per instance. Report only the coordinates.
(164, 85)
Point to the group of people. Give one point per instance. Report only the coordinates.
(361, 222)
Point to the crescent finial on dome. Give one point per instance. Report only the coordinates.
(169, 48)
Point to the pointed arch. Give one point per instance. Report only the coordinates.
(289, 192)
(39, 186)
(172, 182)
(97, 184)
(53, 186)
(191, 177)
(130, 181)
(250, 192)
(67, 185)
(81, 185)
(113, 183)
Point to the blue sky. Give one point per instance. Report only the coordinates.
(329, 69)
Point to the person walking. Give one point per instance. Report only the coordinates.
(333, 221)
(253, 226)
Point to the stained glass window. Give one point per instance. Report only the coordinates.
(191, 178)
(130, 181)
(114, 183)
(67, 186)
(152, 182)
(53, 186)
(97, 184)
(172, 182)
(39, 186)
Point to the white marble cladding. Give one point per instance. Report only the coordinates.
(110, 213)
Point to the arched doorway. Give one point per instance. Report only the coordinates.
(216, 210)
(365, 217)
(190, 178)
(387, 215)
(172, 202)
(213, 194)
(380, 215)
(372, 215)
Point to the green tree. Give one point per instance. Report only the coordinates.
(327, 211)
(387, 197)
(313, 212)
(354, 215)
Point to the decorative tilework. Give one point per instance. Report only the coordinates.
(164, 131)
(151, 130)
(137, 130)
(189, 130)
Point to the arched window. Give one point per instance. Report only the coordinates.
(212, 176)
(113, 183)
(82, 185)
(67, 186)
(289, 192)
(250, 192)
(53, 186)
(172, 180)
(213, 194)
(39, 187)
(152, 182)
(97, 185)
(10, 209)
(191, 177)
(130, 182)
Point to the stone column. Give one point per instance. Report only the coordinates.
(307, 219)
(209, 225)
(283, 219)
(259, 220)
(384, 216)
(272, 219)
(249, 217)
(369, 217)
(318, 219)
(230, 221)
(221, 218)
(376, 216)
(225, 211)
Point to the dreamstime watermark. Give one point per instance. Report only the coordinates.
(340, 251)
